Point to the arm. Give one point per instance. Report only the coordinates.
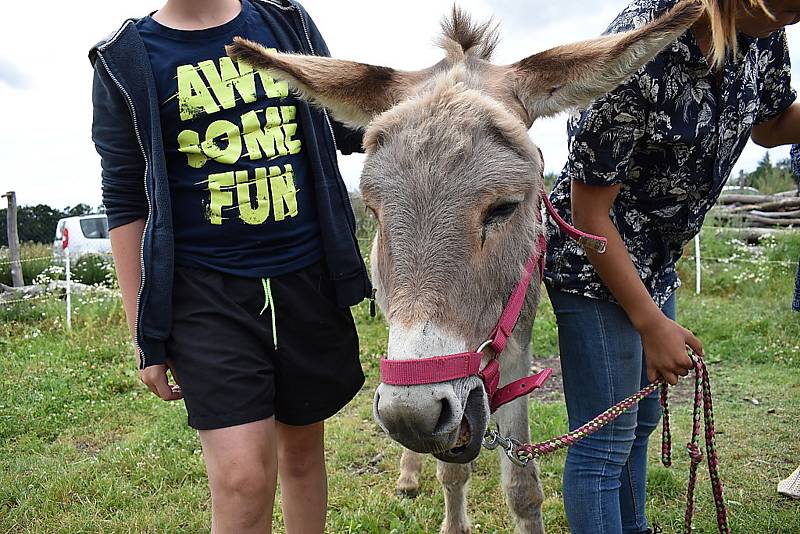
(777, 120)
(123, 168)
(781, 130)
(126, 243)
(664, 341)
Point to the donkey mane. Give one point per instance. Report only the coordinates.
(462, 36)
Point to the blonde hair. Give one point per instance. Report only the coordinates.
(722, 16)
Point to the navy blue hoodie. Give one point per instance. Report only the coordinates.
(127, 134)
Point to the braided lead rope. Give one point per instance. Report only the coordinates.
(702, 398)
(695, 454)
(666, 433)
(529, 451)
(717, 487)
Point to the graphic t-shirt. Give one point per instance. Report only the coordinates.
(241, 190)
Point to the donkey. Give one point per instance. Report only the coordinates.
(455, 183)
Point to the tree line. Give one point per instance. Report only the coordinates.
(769, 178)
(37, 224)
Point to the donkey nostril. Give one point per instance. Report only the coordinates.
(446, 414)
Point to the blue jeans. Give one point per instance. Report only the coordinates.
(602, 362)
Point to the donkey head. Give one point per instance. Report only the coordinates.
(455, 182)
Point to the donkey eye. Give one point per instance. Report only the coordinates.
(372, 211)
(500, 212)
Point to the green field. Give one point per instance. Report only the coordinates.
(85, 448)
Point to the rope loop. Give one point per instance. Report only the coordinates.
(703, 413)
(695, 454)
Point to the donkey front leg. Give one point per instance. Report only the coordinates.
(410, 469)
(522, 487)
(454, 478)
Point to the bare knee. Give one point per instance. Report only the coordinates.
(246, 482)
(301, 450)
(299, 465)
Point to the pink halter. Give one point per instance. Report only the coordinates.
(446, 368)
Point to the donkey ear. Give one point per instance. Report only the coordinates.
(353, 92)
(573, 75)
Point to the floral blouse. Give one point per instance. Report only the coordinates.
(670, 136)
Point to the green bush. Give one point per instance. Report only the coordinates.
(95, 269)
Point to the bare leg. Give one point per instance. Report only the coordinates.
(410, 469)
(454, 478)
(242, 468)
(522, 486)
(304, 481)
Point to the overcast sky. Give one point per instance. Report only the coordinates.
(45, 77)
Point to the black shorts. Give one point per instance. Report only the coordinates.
(222, 349)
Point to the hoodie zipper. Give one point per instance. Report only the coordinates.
(124, 92)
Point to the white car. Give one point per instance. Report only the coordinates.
(86, 234)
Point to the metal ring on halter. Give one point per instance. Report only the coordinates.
(483, 345)
(492, 438)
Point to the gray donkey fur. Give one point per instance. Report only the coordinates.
(455, 183)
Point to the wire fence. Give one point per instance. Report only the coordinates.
(26, 299)
(31, 230)
(37, 224)
(733, 261)
(28, 260)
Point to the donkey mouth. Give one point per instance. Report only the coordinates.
(464, 435)
(469, 437)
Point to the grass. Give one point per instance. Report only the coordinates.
(84, 448)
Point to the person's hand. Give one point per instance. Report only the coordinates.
(156, 380)
(665, 342)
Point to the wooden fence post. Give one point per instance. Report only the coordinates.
(13, 240)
